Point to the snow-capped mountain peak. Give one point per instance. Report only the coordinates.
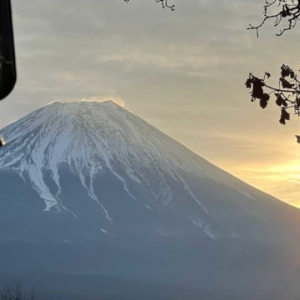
(91, 190)
(92, 138)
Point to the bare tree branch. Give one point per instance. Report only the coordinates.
(15, 293)
(164, 3)
(280, 11)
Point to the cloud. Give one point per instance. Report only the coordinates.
(116, 99)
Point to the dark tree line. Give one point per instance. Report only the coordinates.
(285, 15)
(15, 293)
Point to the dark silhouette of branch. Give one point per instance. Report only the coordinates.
(286, 95)
(279, 11)
(164, 3)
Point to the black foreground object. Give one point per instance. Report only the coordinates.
(8, 74)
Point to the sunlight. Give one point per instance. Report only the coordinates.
(281, 181)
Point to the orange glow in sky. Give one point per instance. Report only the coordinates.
(280, 180)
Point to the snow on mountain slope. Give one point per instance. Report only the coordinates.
(93, 138)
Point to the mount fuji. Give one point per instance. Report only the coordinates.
(96, 203)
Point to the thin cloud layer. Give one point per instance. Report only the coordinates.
(115, 99)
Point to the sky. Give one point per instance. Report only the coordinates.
(181, 71)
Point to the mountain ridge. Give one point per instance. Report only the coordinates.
(91, 189)
(11, 136)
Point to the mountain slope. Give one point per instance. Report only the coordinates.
(89, 189)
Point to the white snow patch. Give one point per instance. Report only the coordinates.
(148, 207)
